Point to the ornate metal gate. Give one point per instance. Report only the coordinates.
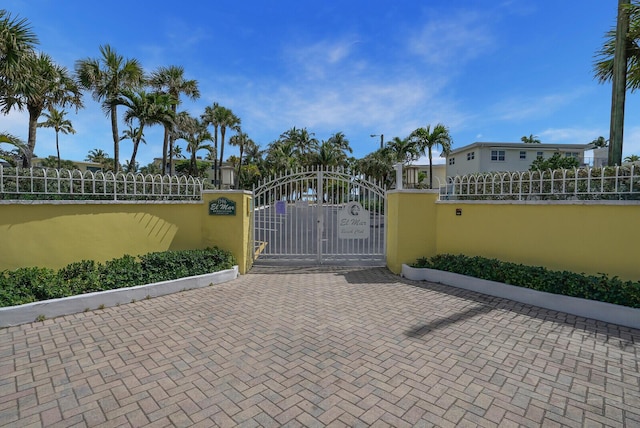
(319, 216)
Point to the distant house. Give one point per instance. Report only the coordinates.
(439, 175)
(81, 165)
(227, 171)
(488, 157)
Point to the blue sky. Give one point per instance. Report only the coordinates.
(490, 70)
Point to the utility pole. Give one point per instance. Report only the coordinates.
(619, 85)
(381, 139)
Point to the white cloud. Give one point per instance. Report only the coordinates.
(535, 107)
(570, 135)
(631, 143)
(453, 41)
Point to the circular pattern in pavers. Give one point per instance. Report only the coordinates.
(320, 347)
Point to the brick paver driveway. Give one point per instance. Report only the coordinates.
(320, 347)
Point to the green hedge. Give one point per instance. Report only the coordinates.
(601, 288)
(32, 284)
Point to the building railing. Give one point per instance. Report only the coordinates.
(64, 184)
(608, 183)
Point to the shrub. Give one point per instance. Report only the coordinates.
(601, 288)
(121, 272)
(31, 284)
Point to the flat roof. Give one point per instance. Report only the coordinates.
(543, 146)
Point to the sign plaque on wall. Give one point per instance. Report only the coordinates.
(353, 222)
(222, 206)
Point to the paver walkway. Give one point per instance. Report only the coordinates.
(320, 347)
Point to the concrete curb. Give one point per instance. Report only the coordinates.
(22, 314)
(607, 312)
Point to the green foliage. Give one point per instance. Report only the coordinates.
(32, 284)
(182, 167)
(601, 288)
(557, 161)
(122, 272)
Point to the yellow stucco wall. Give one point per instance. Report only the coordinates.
(56, 234)
(584, 237)
(50, 234)
(231, 233)
(589, 238)
(411, 217)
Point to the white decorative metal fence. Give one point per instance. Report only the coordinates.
(63, 184)
(319, 216)
(608, 183)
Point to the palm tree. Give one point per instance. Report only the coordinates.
(133, 134)
(210, 117)
(17, 42)
(600, 142)
(377, 165)
(195, 134)
(632, 158)
(148, 109)
(282, 155)
(96, 155)
(253, 154)
(20, 148)
(106, 77)
(45, 85)
(405, 150)
(426, 139)
(101, 157)
(171, 80)
(603, 64)
(531, 139)
(326, 155)
(177, 152)
(304, 142)
(55, 119)
(227, 120)
(240, 140)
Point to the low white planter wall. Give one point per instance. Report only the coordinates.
(22, 314)
(608, 312)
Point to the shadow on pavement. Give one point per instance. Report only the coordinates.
(627, 337)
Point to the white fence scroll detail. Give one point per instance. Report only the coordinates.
(608, 183)
(64, 184)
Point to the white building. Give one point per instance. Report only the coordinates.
(488, 157)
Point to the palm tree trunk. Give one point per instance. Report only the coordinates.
(215, 155)
(34, 114)
(132, 162)
(616, 127)
(171, 143)
(58, 149)
(222, 132)
(239, 167)
(165, 145)
(116, 139)
(194, 164)
(136, 143)
(430, 170)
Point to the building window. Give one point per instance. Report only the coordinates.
(523, 154)
(572, 155)
(452, 161)
(497, 155)
(471, 155)
(540, 154)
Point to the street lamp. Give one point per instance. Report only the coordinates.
(381, 138)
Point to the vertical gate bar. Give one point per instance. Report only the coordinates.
(310, 215)
(320, 216)
(288, 221)
(295, 215)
